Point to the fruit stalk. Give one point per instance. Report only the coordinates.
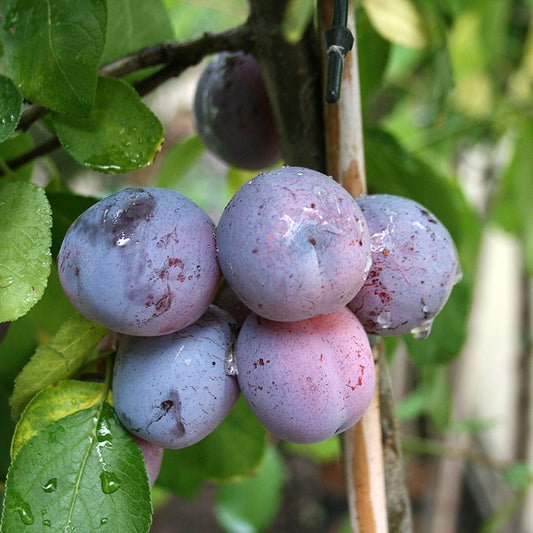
(362, 444)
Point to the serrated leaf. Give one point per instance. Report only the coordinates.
(52, 404)
(298, 15)
(120, 135)
(398, 21)
(78, 474)
(25, 234)
(133, 25)
(10, 107)
(251, 505)
(233, 451)
(179, 161)
(53, 49)
(66, 208)
(62, 358)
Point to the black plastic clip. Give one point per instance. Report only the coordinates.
(339, 41)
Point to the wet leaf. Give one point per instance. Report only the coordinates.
(79, 473)
(120, 135)
(25, 234)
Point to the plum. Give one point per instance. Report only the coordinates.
(309, 380)
(292, 244)
(414, 267)
(233, 114)
(141, 262)
(173, 390)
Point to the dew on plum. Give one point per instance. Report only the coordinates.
(292, 244)
(414, 267)
(141, 262)
(173, 390)
(308, 380)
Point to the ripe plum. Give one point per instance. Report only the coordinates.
(233, 114)
(141, 262)
(414, 267)
(293, 244)
(173, 390)
(309, 380)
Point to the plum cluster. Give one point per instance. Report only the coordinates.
(313, 271)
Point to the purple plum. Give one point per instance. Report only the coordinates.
(233, 114)
(141, 262)
(414, 267)
(292, 244)
(306, 381)
(173, 390)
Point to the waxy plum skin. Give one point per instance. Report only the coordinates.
(292, 244)
(233, 114)
(414, 267)
(306, 381)
(141, 262)
(173, 390)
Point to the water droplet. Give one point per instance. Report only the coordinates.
(110, 482)
(50, 485)
(122, 241)
(47, 523)
(25, 513)
(422, 332)
(103, 521)
(230, 363)
(384, 320)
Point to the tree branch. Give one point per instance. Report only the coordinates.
(293, 78)
(176, 56)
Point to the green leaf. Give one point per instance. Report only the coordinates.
(179, 161)
(298, 15)
(53, 49)
(25, 234)
(78, 474)
(133, 25)
(322, 452)
(121, 134)
(373, 55)
(52, 404)
(251, 505)
(10, 107)
(233, 451)
(62, 358)
(398, 21)
(66, 208)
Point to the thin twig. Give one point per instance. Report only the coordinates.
(43, 149)
(176, 56)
